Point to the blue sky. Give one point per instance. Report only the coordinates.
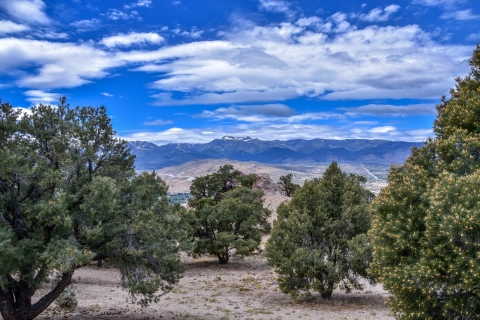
(196, 70)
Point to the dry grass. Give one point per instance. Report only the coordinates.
(244, 289)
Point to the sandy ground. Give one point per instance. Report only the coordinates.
(242, 289)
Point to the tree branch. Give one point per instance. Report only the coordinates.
(46, 300)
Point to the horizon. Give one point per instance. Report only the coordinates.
(240, 138)
(185, 71)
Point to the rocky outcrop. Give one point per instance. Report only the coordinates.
(266, 184)
(274, 195)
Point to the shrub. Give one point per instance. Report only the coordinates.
(67, 299)
(319, 240)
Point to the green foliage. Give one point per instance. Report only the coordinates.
(213, 186)
(181, 197)
(247, 180)
(287, 185)
(319, 241)
(226, 216)
(426, 232)
(67, 300)
(69, 195)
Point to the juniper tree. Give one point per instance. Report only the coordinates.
(319, 242)
(426, 231)
(69, 196)
(226, 215)
(213, 186)
(287, 185)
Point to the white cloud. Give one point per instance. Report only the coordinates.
(287, 131)
(382, 110)
(378, 14)
(7, 27)
(305, 22)
(194, 33)
(86, 25)
(310, 116)
(106, 94)
(158, 122)
(432, 3)
(25, 111)
(126, 40)
(283, 62)
(140, 3)
(473, 36)
(382, 129)
(27, 11)
(280, 113)
(44, 97)
(250, 113)
(49, 34)
(259, 64)
(341, 23)
(240, 96)
(278, 6)
(460, 15)
(115, 14)
(60, 65)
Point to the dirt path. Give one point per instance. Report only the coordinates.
(243, 289)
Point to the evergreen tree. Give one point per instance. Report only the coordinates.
(287, 185)
(213, 186)
(318, 241)
(425, 231)
(226, 215)
(69, 196)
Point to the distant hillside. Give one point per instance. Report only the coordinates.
(379, 152)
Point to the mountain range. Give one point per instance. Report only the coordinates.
(150, 156)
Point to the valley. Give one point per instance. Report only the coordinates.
(179, 178)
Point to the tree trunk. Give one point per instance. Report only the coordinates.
(99, 264)
(18, 305)
(328, 294)
(223, 258)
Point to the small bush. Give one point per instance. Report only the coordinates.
(68, 299)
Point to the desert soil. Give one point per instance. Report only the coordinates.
(242, 289)
(179, 178)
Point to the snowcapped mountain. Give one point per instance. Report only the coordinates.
(381, 152)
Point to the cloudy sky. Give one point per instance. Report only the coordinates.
(194, 70)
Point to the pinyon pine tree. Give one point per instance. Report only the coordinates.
(69, 196)
(226, 215)
(426, 229)
(319, 242)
